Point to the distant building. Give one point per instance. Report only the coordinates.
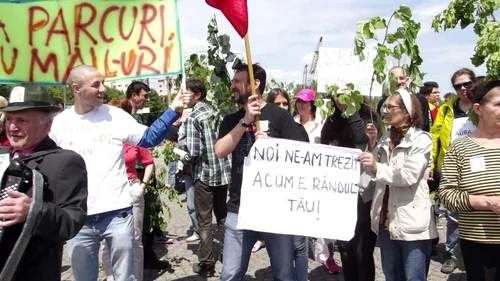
(122, 85)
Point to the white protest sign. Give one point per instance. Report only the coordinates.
(340, 66)
(299, 188)
(461, 127)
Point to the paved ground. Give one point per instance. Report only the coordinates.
(182, 255)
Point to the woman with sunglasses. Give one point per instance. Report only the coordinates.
(470, 184)
(451, 124)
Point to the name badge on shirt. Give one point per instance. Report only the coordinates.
(477, 164)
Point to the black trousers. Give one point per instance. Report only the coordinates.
(207, 199)
(482, 261)
(358, 263)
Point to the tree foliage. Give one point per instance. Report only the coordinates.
(398, 44)
(481, 13)
(212, 69)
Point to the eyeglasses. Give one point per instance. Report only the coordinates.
(466, 85)
(390, 107)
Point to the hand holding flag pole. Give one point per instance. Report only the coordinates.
(236, 12)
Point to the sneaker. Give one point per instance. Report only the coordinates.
(163, 240)
(193, 238)
(204, 269)
(332, 266)
(449, 266)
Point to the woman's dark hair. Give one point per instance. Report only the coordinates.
(277, 92)
(336, 127)
(313, 108)
(463, 71)
(478, 91)
(416, 118)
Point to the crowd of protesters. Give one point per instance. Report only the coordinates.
(413, 144)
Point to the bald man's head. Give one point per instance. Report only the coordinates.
(79, 73)
(399, 72)
(87, 86)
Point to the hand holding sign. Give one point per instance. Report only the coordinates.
(368, 162)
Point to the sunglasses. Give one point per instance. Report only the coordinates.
(459, 86)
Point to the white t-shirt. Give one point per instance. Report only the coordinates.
(315, 133)
(98, 137)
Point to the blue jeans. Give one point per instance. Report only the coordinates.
(172, 168)
(404, 260)
(118, 232)
(188, 181)
(238, 248)
(451, 233)
(301, 257)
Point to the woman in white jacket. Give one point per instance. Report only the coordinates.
(401, 211)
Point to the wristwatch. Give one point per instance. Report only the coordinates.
(242, 123)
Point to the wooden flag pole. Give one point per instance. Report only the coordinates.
(250, 74)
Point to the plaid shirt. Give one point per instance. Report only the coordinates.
(200, 142)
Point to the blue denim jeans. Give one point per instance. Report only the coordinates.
(172, 168)
(188, 181)
(404, 260)
(118, 232)
(238, 248)
(301, 257)
(451, 232)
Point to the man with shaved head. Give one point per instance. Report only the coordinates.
(98, 132)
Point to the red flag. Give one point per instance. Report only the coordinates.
(236, 12)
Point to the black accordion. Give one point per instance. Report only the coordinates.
(19, 177)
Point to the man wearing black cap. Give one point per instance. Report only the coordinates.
(27, 123)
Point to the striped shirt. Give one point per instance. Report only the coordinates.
(471, 169)
(200, 142)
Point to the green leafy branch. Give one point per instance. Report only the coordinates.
(350, 97)
(401, 43)
(212, 69)
(154, 214)
(481, 13)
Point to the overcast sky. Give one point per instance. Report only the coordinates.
(284, 33)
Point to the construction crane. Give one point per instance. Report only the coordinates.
(312, 69)
(304, 77)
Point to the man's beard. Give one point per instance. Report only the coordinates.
(242, 98)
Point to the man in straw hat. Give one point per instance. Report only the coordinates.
(28, 119)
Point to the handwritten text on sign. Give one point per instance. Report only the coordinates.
(300, 188)
(340, 66)
(43, 40)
